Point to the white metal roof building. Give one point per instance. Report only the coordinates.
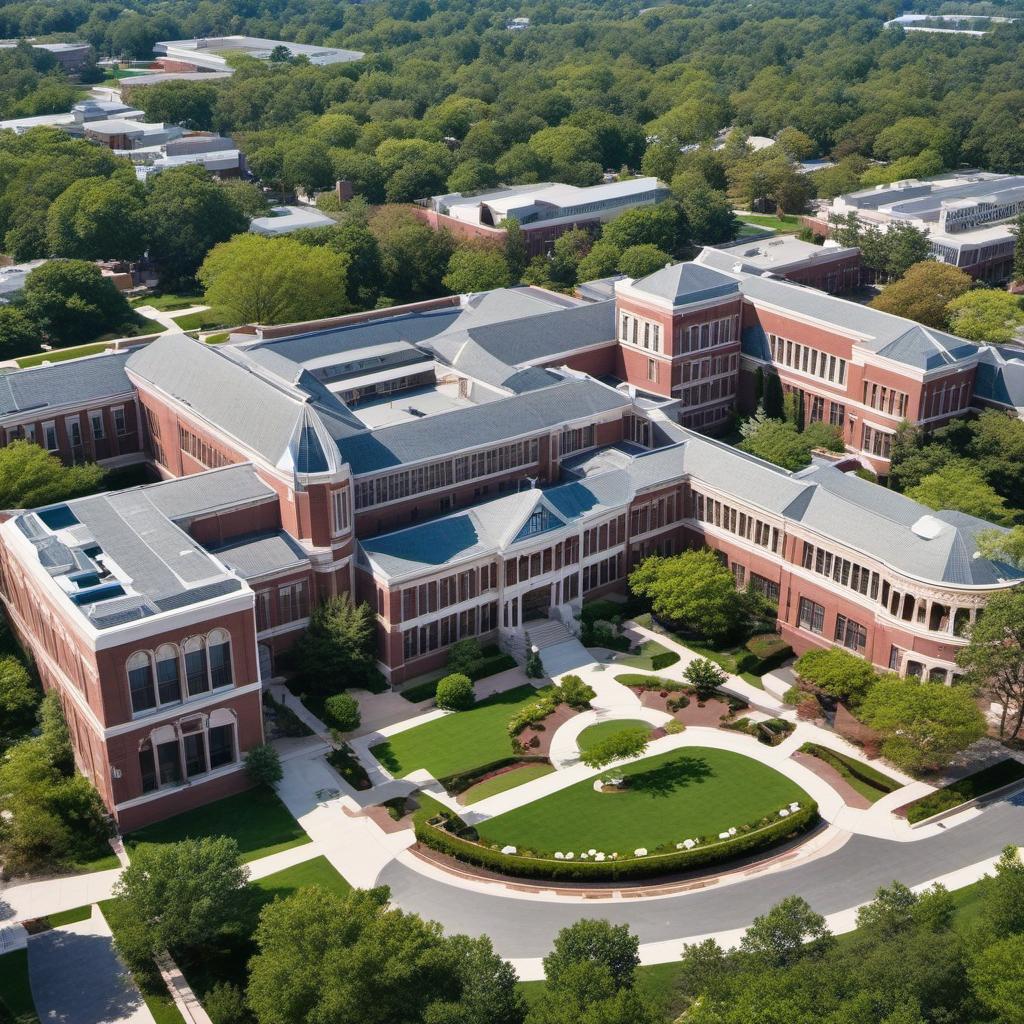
(211, 53)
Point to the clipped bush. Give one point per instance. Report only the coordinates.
(537, 711)
(534, 666)
(576, 693)
(663, 660)
(673, 727)
(263, 764)
(464, 655)
(225, 1004)
(491, 665)
(455, 693)
(838, 673)
(705, 677)
(637, 681)
(343, 711)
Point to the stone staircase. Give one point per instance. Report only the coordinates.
(546, 633)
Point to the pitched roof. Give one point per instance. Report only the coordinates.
(260, 554)
(686, 282)
(88, 380)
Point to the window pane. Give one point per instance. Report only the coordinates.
(147, 766)
(222, 745)
(140, 682)
(195, 672)
(220, 664)
(168, 681)
(195, 754)
(169, 760)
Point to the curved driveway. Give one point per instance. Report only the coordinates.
(523, 928)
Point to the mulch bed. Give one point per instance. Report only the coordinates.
(551, 724)
(709, 715)
(382, 819)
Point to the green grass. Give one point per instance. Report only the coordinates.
(459, 742)
(696, 791)
(218, 339)
(650, 652)
(198, 321)
(69, 916)
(506, 781)
(866, 780)
(594, 734)
(105, 860)
(787, 222)
(60, 354)
(16, 1003)
(969, 788)
(150, 982)
(255, 819)
(726, 657)
(168, 302)
(226, 961)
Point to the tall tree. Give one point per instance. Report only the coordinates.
(924, 292)
(986, 314)
(338, 649)
(98, 218)
(476, 268)
(960, 486)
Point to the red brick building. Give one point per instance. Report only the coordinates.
(467, 468)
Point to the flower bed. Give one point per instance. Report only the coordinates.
(348, 766)
(441, 833)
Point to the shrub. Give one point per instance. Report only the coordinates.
(439, 837)
(348, 766)
(837, 673)
(602, 635)
(456, 784)
(636, 681)
(286, 722)
(490, 665)
(673, 727)
(995, 776)
(576, 693)
(534, 666)
(663, 660)
(543, 706)
(850, 766)
(225, 1004)
(464, 655)
(343, 711)
(773, 731)
(630, 742)
(455, 693)
(705, 677)
(263, 764)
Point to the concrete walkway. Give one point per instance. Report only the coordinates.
(77, 977)
(166, 317)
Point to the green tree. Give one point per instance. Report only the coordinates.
(662, 225)
(476, 268)
(246, 196)
(620, 746)
(601, 261)
(693, 589)
(993, 658)
(254, 279)
(922, 724)
(570, 154)
(596, 942)
(1018, 248)
(568, 252)
(19, 699)
(263, 765)
(472, 176)
(998, 980)
(31, 476)
(343, 711)
(487, 987)
(708, 211)
(640, 260)
(189, 104)
(705, 677)
(924, 292)
(781, 443)
(788, 932)
(96, 219)
(986, 314)
(1002, 895)
(18, 334)
(840, 674)
(71, 302)
(904, 246)
(339, 648)
(586, 993)
(516, 253)
(455, 693)
(576, 693)
(306, 164)
(179, 894)
(413, 258)
(187, 214)
(959, 486)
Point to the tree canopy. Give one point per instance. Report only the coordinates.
(30, 476)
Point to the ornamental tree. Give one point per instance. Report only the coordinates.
(694, 590)
(620, 746)
(790, 931)
(455, 693)
(576, 693)
(993, 658)
(705, 677)
(179, 894)
(343, 710)
(31, 476)
(924, 292)
(338, 649)
(840, 674)
(998, 981)
(922, 724)
(960, 486)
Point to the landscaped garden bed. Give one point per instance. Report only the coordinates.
(348, 766)
(869, 782)
(989, 779)
(772, 731)
(490, 661)
(685, 809)
(599, 732)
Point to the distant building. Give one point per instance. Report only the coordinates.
(121, 133)
(967, 215)
(285, 219)
(544, 211)
(517, 24)
(74, 121)
(12, 279)
(214, 153)
(211, 53)
(830, 267)
(70, 56)
(949, 23)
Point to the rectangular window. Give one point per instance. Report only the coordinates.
(812, 615)
(50, 436)
(74, 429)
(195, 672)
(120, 423)
(339, 511)
(262, 610)
(168, 758)
(147, 769)
(96, 424)
(222, 745)
(140, 685)
(195, 754)
(652, 369)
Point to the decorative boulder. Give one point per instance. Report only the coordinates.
(508, 849)
(680, 846)
(689, 844)
(783, 813)
(583, 856)
(732, 831)
(723, 835)
(640, 851)
(598, 856)
(591, 852)
(794, 806)
(559, 855)
(570, 855)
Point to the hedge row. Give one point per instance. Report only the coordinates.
(673, 862)
(460, 782)
(637, 681)
(971, 787)
(772, 731)
(491, 665)
(848, 766)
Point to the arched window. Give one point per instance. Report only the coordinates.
(196, 674)
(147, 767)
(140, 681)
(218, 644)
(168, 674)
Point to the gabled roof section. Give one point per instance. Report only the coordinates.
(89, 380)
(924, 348)
(680, 283)
(1000, 375)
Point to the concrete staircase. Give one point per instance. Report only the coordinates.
(546, 633)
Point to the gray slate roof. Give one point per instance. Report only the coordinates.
(203, 493)
(687, 282)
(506, 418)
(96, 379)
(1000, 375)
(261, 554)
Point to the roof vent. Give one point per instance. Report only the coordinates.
(928, 527)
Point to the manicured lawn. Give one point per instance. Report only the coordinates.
(168, 302)
(653, 657)
(228, 959)
(787, 222)
(457, 742)
(255, 819)
(869, 782)
(197, 321)
(218, 339)
(105, 860)
(15, 995)
(726, 657)
(695, 791)
(594, 734)
(969, 788)
(69, 916)
(60, 354)
(506, 781)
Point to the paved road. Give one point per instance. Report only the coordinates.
(846, 878)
